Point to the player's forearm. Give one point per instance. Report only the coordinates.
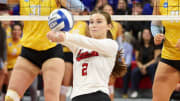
(156, 7)
(75, 5)
(156, 27)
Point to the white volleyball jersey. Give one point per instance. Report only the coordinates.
(93, 63)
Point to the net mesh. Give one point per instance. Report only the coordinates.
(131, 10)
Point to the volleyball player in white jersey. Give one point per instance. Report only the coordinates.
(94, 58)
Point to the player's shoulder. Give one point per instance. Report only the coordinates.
(111, 41)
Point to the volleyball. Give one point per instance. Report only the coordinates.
(60, 20)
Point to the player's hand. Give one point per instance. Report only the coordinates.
(158, 39)
(178, 44)
(177, 87)
(56, 36)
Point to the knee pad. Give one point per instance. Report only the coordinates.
(12, 95)
(64, 90)
(111, 89)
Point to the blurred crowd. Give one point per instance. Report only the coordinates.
(134, 37)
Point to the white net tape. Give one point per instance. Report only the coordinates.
(85, 18)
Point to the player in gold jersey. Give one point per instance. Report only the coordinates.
(116, 29)
(116, 32)
(13, 51)
(13, 46)
(38, 53)
(168, 72)
(80, 27)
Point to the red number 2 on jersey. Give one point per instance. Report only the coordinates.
(84, 69)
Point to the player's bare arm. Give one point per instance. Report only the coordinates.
(13, 1)
(156, 7)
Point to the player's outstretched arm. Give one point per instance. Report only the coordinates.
(75, 5)
(104, 46)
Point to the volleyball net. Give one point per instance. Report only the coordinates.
(86, 18)
(139, 10)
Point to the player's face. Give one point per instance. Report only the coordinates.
(108, 9)
(16, 32)
(98, 26)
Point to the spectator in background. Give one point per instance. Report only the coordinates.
(100, 3)
(89, 4)
(146, 56)
(136, 26)
(3, 8)
(113, 3)
(148, 8)
(137, 8)
(16, 10)
(129, 3)
(132, 2)
(3, 1)
(85, 12)
(127, 50)
(122, 8)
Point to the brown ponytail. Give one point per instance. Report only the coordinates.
(120, 68)
(109, 35)
(58, 3)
